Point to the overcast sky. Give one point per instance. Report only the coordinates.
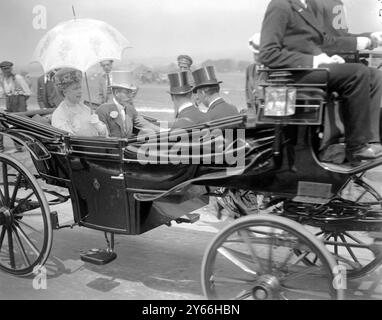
(160, 28)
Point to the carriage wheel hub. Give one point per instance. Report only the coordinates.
(5, 217)
(267, 288)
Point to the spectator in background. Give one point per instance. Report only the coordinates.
(47, 93)
(251, 75)
(104, 89)
(207, 87)
(184, 62)
(186, 113)
(16, 91)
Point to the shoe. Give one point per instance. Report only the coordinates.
(366, 152)
(377, 147)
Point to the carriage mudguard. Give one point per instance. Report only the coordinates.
(35, 147)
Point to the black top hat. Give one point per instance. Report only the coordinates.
(205, 77)
(6, 64)
(180, 83)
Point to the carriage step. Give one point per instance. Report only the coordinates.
(54, 220)
(188, 218)
(99, 257)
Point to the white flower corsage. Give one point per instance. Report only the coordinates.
(114, 114)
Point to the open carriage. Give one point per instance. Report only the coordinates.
(314, 229)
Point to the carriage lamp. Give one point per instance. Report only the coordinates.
(280, 101)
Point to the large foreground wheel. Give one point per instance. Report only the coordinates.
(254, 258)
(25, 227)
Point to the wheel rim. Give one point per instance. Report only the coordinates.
(25, 226)
(255, 259)
(354, 250)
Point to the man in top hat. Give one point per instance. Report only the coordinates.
(186, 113)
(16, 91)
(207, 88)
(120, 115)
(104, 81)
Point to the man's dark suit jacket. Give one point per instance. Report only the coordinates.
(47, 94)
(292, 35)
(115, 125)
(330, 14)
(188, 117)
(221, 109)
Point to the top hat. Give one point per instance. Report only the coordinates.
(123, 79)
(180, 83)
(6, 65)
(205, 77)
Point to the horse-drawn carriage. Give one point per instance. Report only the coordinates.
(315, 226)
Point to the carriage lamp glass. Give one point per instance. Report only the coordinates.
(280, 101)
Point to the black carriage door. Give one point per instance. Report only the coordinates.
(101, 200)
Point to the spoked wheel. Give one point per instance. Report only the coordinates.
(25, 227)
(356, 249)
(254, 258)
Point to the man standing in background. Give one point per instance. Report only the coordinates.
(251, 75)
(16, 91)
(104, 90)
(47, 94)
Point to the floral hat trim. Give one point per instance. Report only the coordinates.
(67, 76)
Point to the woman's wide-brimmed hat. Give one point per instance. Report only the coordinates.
(66, 77)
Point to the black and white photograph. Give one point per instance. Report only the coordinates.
(189, 155)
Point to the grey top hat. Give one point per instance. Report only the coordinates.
(205, 77)
(180, 83)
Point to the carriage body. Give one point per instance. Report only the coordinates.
(113, 189)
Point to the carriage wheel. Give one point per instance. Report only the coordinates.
(254, 258)
(25, 227)
(354, 249)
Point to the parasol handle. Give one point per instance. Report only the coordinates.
(89, 96)
(74, 13)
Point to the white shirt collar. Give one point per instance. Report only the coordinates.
(185, 106)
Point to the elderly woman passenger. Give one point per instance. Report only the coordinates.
(72, 115)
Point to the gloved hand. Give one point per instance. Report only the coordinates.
(337, 59)
(94, 120)
(364, 43)
(323, 58)
(376, 38)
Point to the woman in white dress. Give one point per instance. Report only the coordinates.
(72, 115)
